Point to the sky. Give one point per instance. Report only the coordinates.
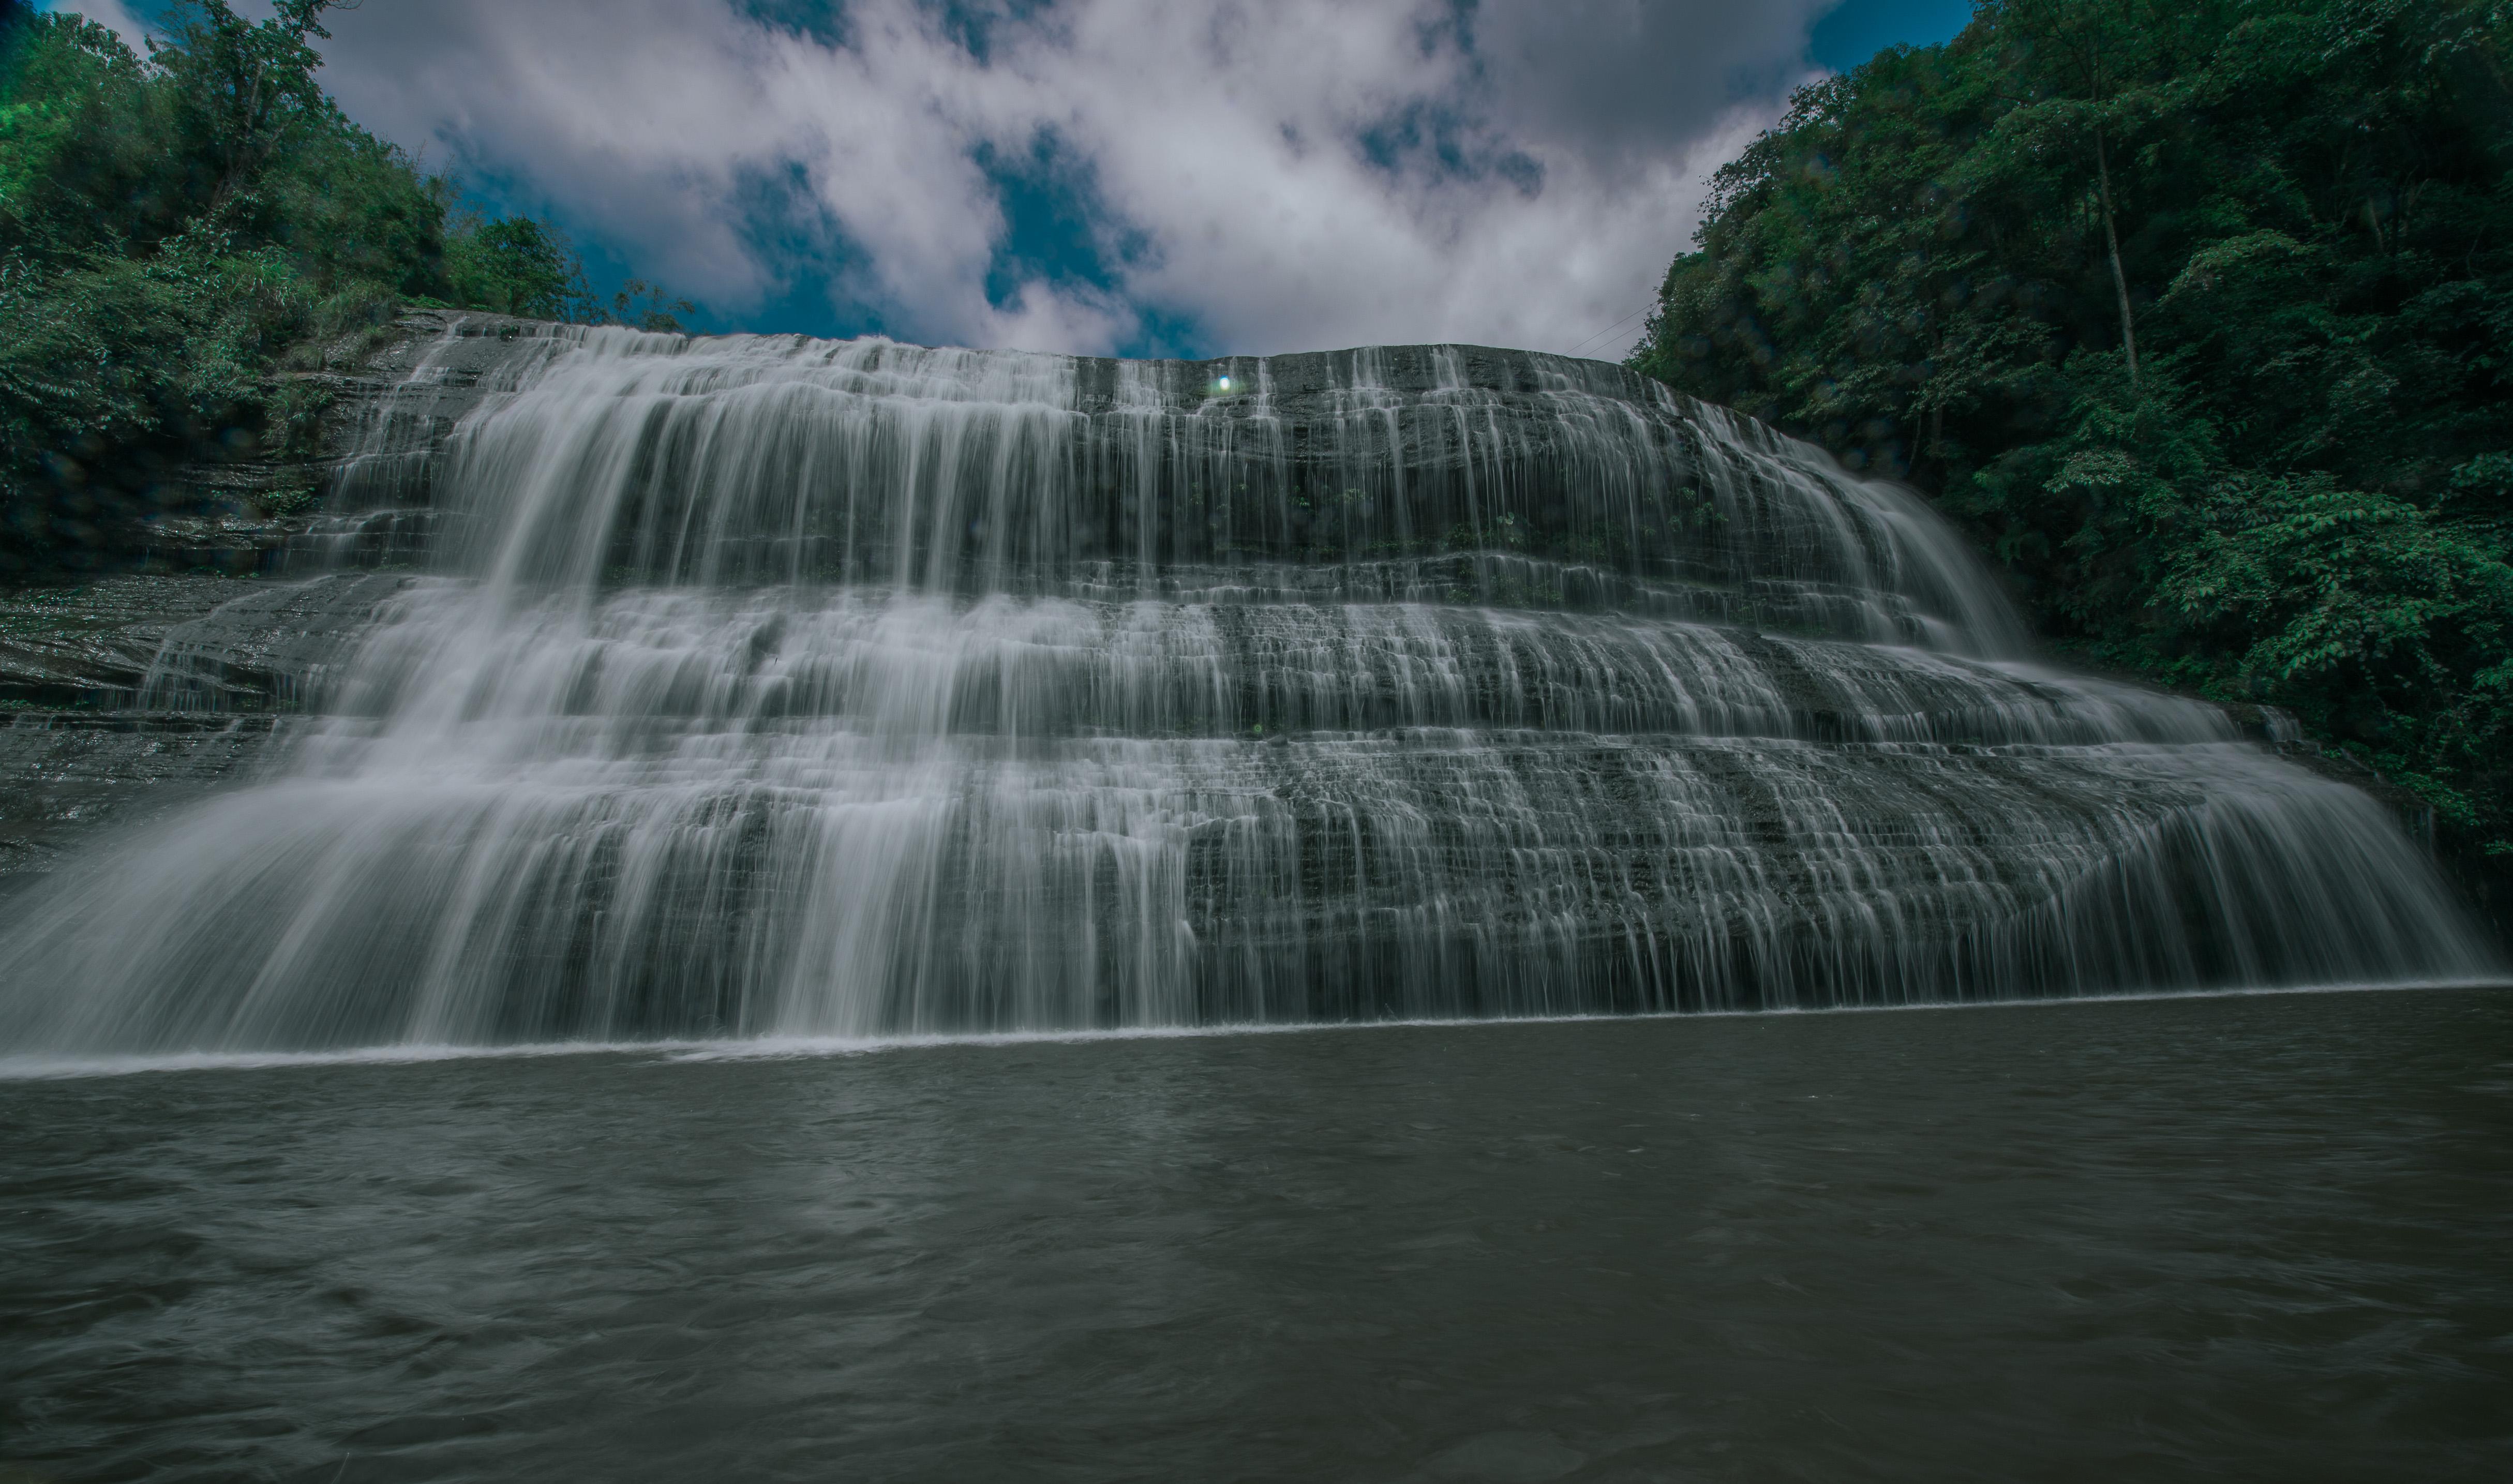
(1107, 176)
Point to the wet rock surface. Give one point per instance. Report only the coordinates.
(64, 776)
(126, 694)
(752, 687)
(267, 648)
(77, 752)
(89, 644)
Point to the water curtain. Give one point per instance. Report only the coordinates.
(771, 687)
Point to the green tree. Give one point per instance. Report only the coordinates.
(2200, 316)
(515, 265)
(648, 307)
(174, 230)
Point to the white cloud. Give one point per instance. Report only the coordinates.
(1287, 174)
(113, 16)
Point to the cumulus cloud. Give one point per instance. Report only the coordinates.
(1239, 176)
(114, 16)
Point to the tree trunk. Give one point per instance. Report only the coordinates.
(2120, 280)
(239, 156)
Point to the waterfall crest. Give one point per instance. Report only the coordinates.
(775, 687)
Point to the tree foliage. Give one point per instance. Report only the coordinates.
(515, 267)
(178, 233)
(2200, 314)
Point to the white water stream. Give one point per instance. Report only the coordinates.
(772, 687)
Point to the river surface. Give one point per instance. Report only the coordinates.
(2259, 1237)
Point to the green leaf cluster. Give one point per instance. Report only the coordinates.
(2199, 314)
(182, 237)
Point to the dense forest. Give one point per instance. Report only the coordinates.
(181, 234)
(2199, 313)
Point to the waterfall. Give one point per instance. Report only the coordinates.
(771, 687)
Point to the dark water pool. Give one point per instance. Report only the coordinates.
(2244, 1238)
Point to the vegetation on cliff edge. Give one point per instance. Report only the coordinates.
(2200, 314)
(180, 232)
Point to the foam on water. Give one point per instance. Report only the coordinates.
(54, 1067)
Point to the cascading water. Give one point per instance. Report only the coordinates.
(774, 687)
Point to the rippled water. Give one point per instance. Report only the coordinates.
(2251, 1237)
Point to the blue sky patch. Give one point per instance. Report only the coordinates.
(1857, 29)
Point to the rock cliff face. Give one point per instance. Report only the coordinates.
(89, 732)
(125, 693)
(775, 687)
(1243, 496)
(95, 728)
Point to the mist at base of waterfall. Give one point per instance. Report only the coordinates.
(2241, 1238)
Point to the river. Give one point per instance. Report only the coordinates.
(2255, 1236)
